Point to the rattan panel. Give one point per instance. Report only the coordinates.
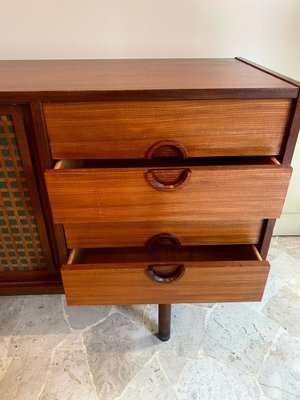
(20, 246)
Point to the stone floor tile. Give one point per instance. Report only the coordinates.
(42, 315)
(204, 305)
(280, 374)
(82, 317)
(287, 242)
(68, 378)
(275, 250)
(287, 269)
(207, 379)
(10, 310)
(172, 366)
(71, 342)
(291, 245)
(284, 308)
(3, 348)
(273, 285)
(143, 314)
(4, 345)
(294, 252)
(149, 384)
(24, 378)
(40, 328)
(116, 350)
(239, 335)
(187, 330)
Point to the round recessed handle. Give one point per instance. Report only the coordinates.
(165, 273)
(164, 238)
(168, 179)
(166, 148)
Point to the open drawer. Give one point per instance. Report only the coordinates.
(241, 189)
(164, 275)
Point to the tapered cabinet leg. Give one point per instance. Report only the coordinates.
(164, 321)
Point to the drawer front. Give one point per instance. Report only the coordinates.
(206, 194)
(115, 234)
(197, 281)
(202, 127)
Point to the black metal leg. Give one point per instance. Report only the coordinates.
(164, 322)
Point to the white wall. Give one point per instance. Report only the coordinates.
(265, 31)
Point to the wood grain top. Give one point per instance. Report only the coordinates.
(173, 77)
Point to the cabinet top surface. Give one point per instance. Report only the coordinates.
(48, 76)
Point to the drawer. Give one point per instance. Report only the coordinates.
(164, 275)
(130, 129)
(194, 193)
(115, 234)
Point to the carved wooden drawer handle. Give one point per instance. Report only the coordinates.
(166, 148)
(163, 239)
(165, 273)
(168, 179)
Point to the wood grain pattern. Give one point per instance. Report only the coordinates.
(203, 127)
(115, 234)
(156, 78)
(123, 195)
(101, 279)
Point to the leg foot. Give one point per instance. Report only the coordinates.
(164, 322)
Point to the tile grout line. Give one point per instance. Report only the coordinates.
(208, 314)
(129, 318)
(245, 371)
(88, 365)
(64, 311)
(148, 306)
(112, 311)
(281, 390)
(291, 288)
(135, 375)
(267, 353)
(9, 342)
(72, 330)
(164, 373)
(181, 373)
(100, 321)
(8, 361)
(55, 348)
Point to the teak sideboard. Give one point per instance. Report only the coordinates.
(142, 181)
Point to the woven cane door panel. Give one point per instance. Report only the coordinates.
(20, 245)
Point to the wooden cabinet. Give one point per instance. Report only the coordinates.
(149, 181)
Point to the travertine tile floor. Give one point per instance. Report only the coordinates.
(49, 351)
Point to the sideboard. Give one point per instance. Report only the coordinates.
(142, 181)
